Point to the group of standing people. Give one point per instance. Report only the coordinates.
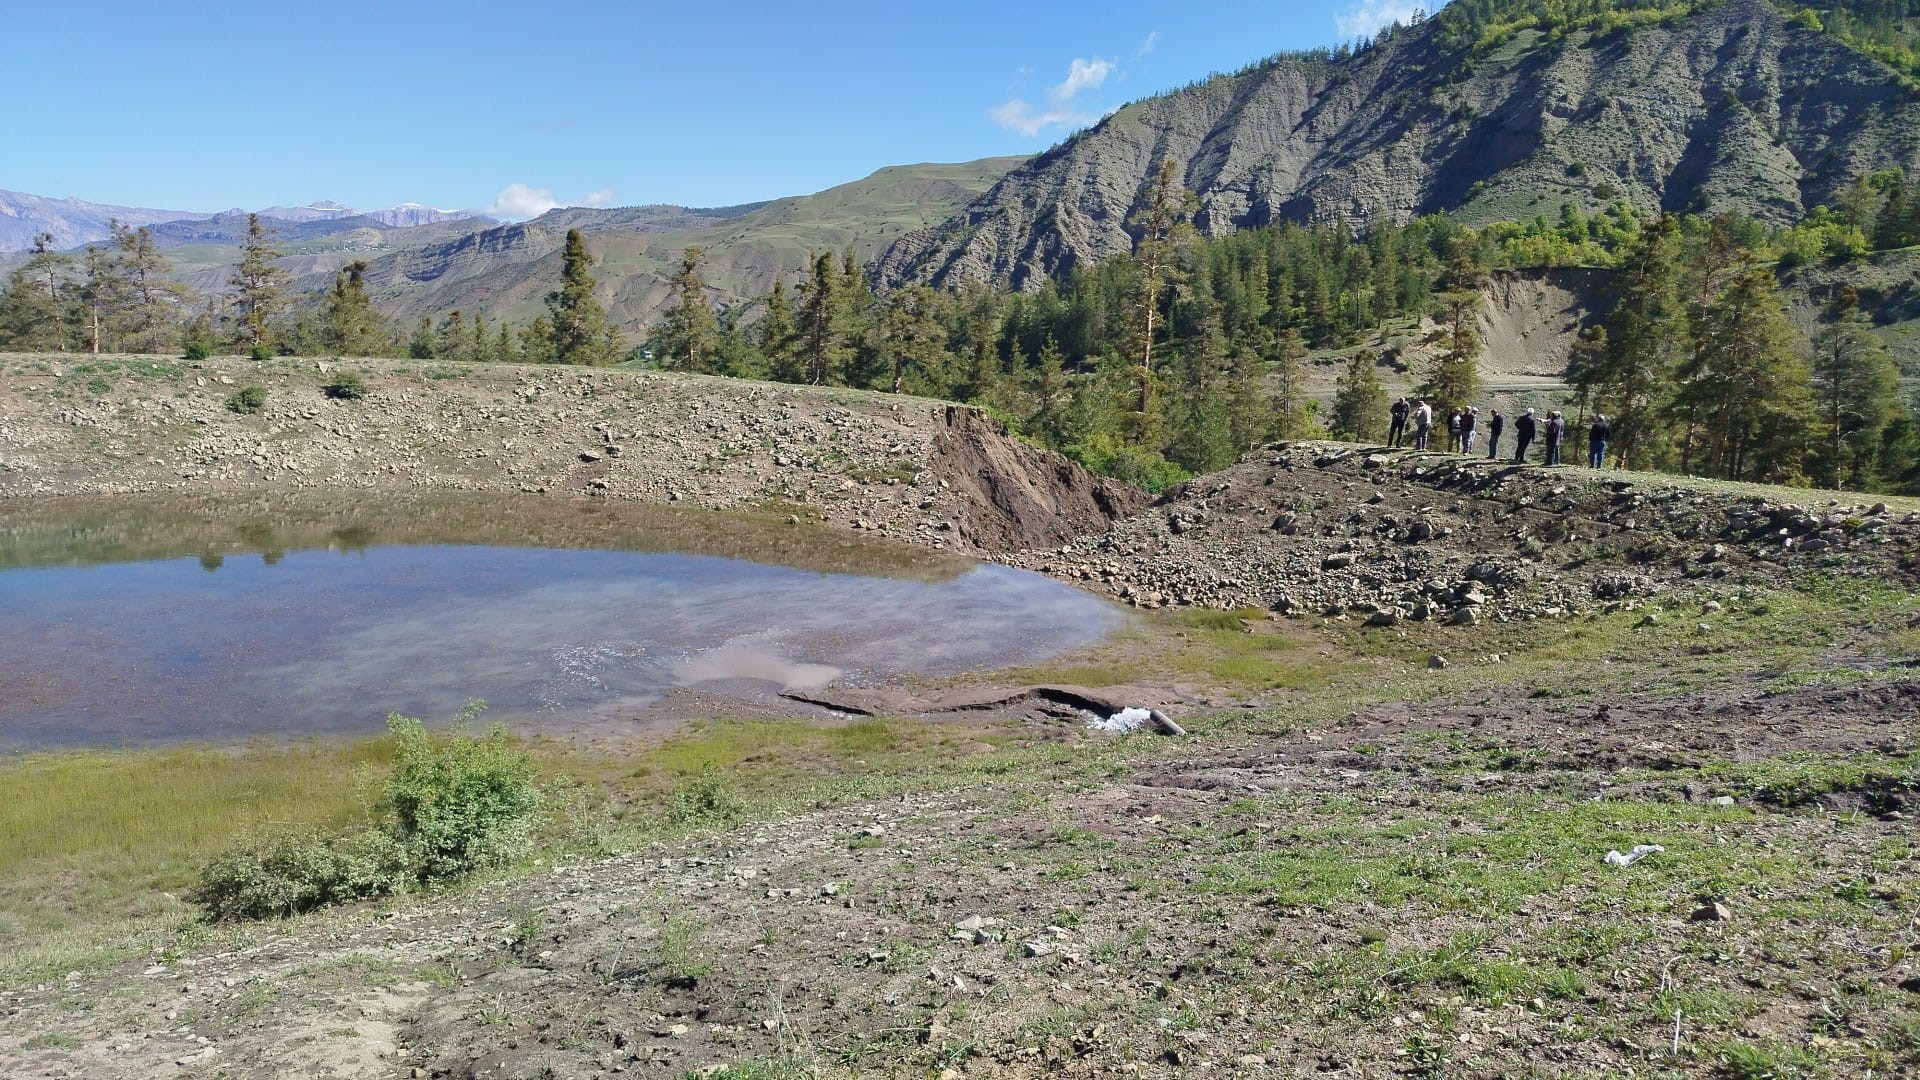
(1413, 423)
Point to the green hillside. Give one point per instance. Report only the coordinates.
(506, 271)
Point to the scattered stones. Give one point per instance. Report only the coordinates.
(1711, 912)
(1436, 662)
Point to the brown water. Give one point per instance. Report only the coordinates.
(141, 621)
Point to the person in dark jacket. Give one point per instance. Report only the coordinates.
(1522, 436)
(1597, 437)
(1397, 430)
(1494, 427)
(1556, 431)
(1469, 420)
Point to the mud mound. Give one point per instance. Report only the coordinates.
(1012, 496)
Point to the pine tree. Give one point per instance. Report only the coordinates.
(911, 339)
(777, 335)
(424, 344)
(33, 312)
(102, 297)
(1748, 383)
(1156, 228)
(1857, 391)
(1360, 402)
(1645, 336)
(260, 285)
(823, 353)
(856, 311)
(153, 300)
(507, 349)
(1290, 414)
(351, 325)
(689, 333)
(1453, 380)
(455, 341)
(581, 334)
(536, 342)
(1198, 419)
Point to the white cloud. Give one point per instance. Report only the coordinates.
(1147, 46)
(525, 201)
(1063, 109)
(1365, 17)
(1017, 115)
(1082, 75)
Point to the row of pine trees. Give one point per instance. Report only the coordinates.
(1173, 360)
(122, 296)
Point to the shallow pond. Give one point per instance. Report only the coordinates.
(151, 620)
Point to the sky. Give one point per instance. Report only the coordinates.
(516, 108)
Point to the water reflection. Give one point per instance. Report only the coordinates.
(551, 611)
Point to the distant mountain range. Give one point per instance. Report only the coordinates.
(507, 270)
(76, 223)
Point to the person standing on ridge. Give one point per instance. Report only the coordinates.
(1453, 432)
(1494, 427)
(1556, 430)
(1397, 429)
(1468, 420)
(1522, 436)
(1422, 423)
(1597, 437)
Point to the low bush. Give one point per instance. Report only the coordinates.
(454, 803)
(197, 350)
(290, 874)
(248, 399)
(704, 800)
(349, 386)
(261, 354)
(459, 802)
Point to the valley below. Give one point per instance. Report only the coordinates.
(1432, 705)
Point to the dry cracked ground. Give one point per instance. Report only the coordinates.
(1361, 861)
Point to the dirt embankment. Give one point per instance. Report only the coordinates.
(1396, 535)
(908, 468)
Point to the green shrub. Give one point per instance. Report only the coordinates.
(705, 799)
(348, 387)
(300, 872)
(197, 350)
(261, 354)
(459, 802)
(454, 803)
(248, 399)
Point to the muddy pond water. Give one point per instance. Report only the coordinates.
(138, 621)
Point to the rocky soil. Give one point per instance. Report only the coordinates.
(1115, 921)
(1390, 536)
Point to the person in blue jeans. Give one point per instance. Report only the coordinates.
(1597, 437)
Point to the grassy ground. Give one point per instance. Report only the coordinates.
(97, 847)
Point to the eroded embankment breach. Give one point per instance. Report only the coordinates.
(1394, 535)
(909, 468)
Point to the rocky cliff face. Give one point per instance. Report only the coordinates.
(1733, 108)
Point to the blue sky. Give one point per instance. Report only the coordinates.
(205, 106)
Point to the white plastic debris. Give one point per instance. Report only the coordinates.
(1126, 721)
(1639, 852)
